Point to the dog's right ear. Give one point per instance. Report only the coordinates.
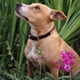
(57, 14)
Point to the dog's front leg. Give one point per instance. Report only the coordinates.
(54, 72)
(30, 68)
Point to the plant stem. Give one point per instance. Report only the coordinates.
(40, 69)
(70, 75)
(62, 72)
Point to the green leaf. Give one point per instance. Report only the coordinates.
(64, 77)
(77, 76)
(35, 76)
(28, 78)
(10, 75)
(46, 78)
(73, 40)
(51, 77)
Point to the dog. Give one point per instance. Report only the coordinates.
(44, 38)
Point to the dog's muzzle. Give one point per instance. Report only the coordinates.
(17, 7)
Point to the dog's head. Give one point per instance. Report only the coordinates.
(38, 14)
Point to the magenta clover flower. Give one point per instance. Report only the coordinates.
(56, 61)
(65, 62)
(36, 58)
(67, 68)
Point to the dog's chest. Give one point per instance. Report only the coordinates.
(32, 52)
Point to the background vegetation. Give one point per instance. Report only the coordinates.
(13, 35)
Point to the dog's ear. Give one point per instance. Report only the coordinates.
(57, 14)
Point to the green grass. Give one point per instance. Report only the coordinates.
(13, 63)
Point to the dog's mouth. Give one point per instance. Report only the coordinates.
(25, 18)
(17, 8)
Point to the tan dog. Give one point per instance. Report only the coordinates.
(41, 19)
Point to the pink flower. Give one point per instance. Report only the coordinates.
(64, 55)
(72, 63)
(36, 58)
(65, 61)
(44, 57)
(67, 68)
(71, 54)
(58, 67)
(56, 61)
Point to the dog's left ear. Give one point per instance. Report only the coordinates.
(57, 14)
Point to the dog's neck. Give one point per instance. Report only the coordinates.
(41, 30)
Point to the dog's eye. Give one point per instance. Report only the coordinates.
(37, 7)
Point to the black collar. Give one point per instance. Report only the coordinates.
(42, 36)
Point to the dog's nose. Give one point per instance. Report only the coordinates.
(18, 5)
